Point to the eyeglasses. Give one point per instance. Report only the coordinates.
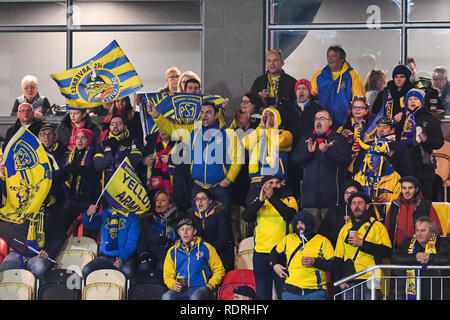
(201, 198)
(115, 123)
(359, 107)
(173, 77)
(321, 119)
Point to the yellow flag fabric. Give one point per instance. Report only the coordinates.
(28, 177)
(125, 192)
(106, 77)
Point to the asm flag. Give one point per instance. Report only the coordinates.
(184, 108)
(106, 77)
(125, 192)
(28, 177)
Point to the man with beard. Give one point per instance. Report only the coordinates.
(324, 156)
(308, 256)
(406, 209)
(273, 211)
(361, 243)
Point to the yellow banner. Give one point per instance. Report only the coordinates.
(28, 177)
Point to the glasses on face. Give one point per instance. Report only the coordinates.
(359, 107)
(201, 198)
(438, 79)
(173, 77)
(321, 119)
(115, 123)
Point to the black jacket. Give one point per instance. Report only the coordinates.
(286, 87)
(442, 257)
(380, 100)
(297, 122)
(322, 172)
(431, 126)
(54, 234)
(34, 128)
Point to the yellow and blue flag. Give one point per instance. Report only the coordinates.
(28, 177)
(183, 108)
(125, 192)
(106, 77)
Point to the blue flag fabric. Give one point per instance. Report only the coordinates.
(183, 108)
(107, 76)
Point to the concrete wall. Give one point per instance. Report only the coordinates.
(233, 47)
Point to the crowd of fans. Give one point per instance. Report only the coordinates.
(305, 165)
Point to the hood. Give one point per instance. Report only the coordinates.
(307, 218)
(276, 115)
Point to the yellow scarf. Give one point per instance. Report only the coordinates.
(411, 289)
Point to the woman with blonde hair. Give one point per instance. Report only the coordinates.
(185, 76)
(172, 75)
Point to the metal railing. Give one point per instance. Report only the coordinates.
(394, 286)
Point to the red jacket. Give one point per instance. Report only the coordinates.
(404, 227)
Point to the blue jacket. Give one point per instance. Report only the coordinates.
(128, 234)
(336, 95)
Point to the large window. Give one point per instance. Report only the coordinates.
(374, 33)
(43, 37)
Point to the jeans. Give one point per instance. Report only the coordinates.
(195, 293)
(265, 276)
(104, 262)
(319, 294)
(37, 266)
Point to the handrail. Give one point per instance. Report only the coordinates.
(387, 266)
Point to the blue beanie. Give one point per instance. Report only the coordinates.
(419, 94)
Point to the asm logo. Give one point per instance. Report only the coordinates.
(120, 226)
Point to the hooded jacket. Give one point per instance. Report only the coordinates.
(198, 262)
(375, 247)
(335, 95)
(268, 149)
(401, 216)
(64, 129)
(295, 246)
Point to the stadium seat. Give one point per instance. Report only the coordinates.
(105, 284)
(17, 284)
(3, 249)
(81, 243)
(233, 279)
(74, 260)
(244, 256)
(443, 165)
